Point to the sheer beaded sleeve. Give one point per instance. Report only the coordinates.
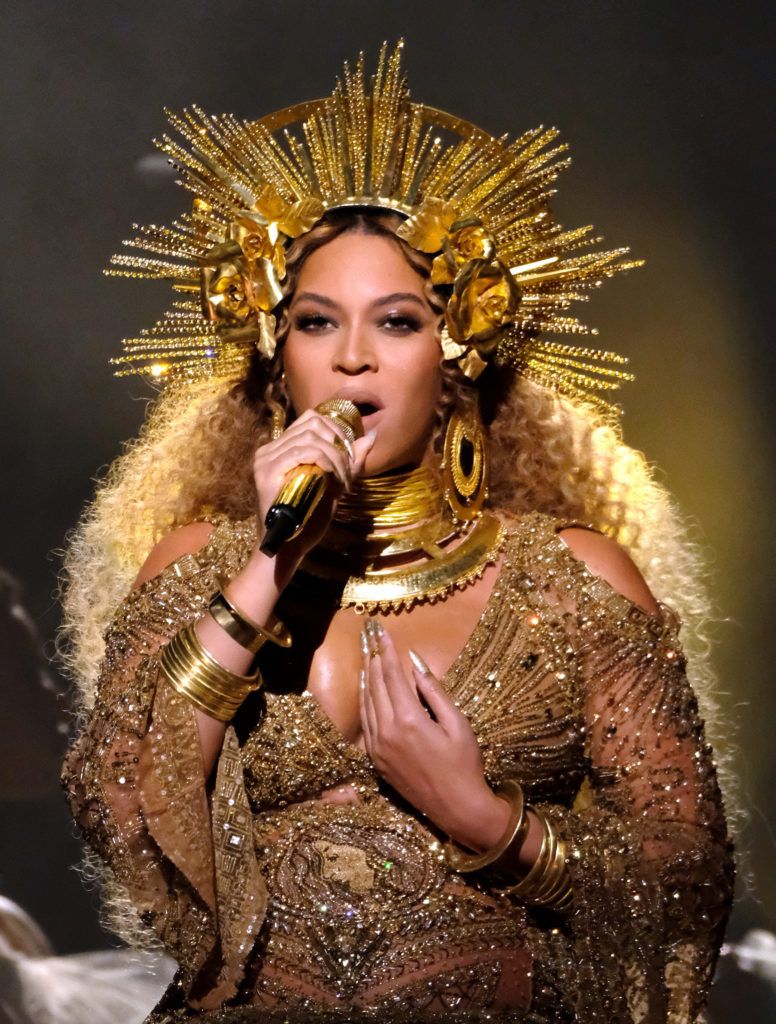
(179, 846)
(651, 860)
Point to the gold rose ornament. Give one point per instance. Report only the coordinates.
(241, 276)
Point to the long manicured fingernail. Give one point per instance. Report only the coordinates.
(379, 629)
(364, 642)
(419, 663)
(362, 679)
(373, 637)
(371, 435)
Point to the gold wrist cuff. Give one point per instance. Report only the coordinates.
(243, 630)
(512, 792)
(195, 674)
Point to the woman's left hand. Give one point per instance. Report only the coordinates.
(433, 762)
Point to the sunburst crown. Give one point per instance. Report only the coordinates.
(479, 204)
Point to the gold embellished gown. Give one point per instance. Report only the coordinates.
(280, 907)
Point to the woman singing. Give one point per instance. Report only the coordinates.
(434, 756)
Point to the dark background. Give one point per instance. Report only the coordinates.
(666, 107)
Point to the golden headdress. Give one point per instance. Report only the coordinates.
(476, 202)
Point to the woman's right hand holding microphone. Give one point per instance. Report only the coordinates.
(314, 439)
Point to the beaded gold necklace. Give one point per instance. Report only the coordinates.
(394, 542)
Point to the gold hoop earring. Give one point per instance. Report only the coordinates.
(465, 464)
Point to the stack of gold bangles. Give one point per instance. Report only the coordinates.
(196, 674)
(547, 883)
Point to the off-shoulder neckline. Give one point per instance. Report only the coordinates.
(513, 526)
(667, 621)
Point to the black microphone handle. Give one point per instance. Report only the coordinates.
(281, 525)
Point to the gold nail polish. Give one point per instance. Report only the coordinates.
(373, 638)
(419, 663)
(364, 642)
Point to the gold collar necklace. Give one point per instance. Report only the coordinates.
(391, 501)
(394, 542)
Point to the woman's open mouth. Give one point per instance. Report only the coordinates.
(366, 409)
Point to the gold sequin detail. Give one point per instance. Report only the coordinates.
(282, 907)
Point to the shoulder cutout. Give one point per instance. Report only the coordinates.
(186, 540)
(604, 557)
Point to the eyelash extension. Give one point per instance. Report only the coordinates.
(403, 320)
(310, 320)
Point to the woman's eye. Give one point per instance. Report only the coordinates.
(401, 323)
(310, 322)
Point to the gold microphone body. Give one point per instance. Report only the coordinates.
(304, 486)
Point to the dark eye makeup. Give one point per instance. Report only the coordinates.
(401, 323)
(396, 323)
(310, 322)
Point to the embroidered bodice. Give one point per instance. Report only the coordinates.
(279, 906)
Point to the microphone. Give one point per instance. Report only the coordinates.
(304, 486)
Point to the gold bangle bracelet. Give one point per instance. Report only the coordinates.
(556, 881)
(243, 630)
(217, 704)
(562, 893)
(209, 667)
(511, 792)
(194, 673)
(554, 878)
(536, 870)
(548, 883)
(194, 664)
(221, 680)
(556, 896)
